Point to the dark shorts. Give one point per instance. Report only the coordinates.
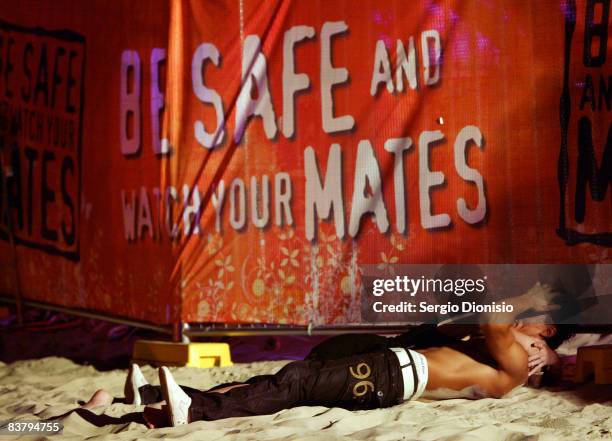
(365, 381)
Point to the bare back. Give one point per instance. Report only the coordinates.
(459, 375)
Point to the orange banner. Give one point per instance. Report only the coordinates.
(239, 161)
(60, 95)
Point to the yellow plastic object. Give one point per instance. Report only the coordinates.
(595, 360)
(163, 353)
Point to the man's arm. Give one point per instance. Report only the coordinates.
(508, 353)
(511, 359)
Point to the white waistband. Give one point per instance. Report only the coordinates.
(414, 372)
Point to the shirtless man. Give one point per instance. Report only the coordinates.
(364, 381)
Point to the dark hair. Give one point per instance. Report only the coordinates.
(563, 333)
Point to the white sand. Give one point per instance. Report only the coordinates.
(48, 387)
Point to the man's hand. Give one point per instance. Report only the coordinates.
(539, 354)
(510, 356)
(543, 356)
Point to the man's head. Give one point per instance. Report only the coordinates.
(554, 335)
(562, 333)
(541, 330)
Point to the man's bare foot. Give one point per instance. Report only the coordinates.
(99, 398)
(156, 415)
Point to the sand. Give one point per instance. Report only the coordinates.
(44, 388)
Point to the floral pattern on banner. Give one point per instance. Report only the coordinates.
(296, 284)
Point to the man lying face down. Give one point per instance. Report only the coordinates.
(371, 380)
